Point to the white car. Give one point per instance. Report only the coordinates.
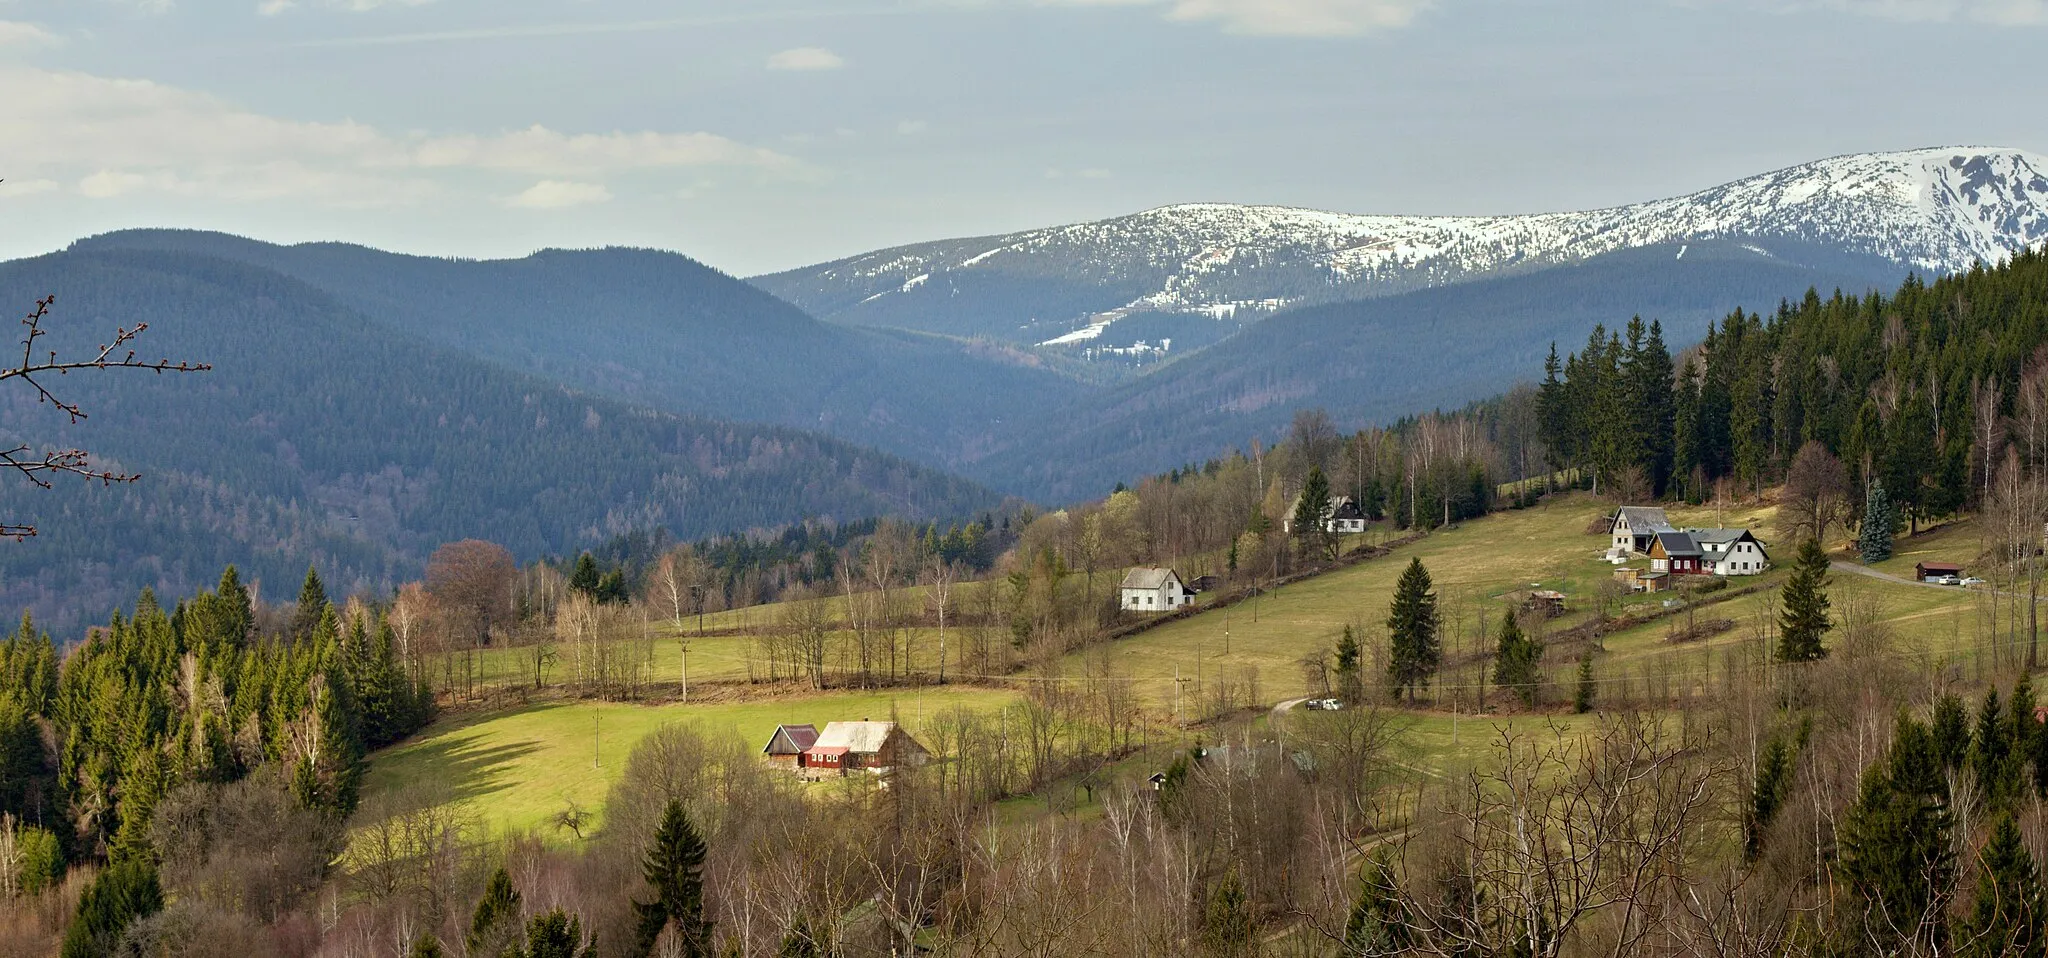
(1948, 580)
(1971, 581)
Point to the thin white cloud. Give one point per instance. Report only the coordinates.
(559, 195)
(912, 127)
(14, 33)
(1302, 18)
(806, 59)
(1299, 18)
(271, 8)
(13, 188)
(1998, 12)
(108, 138)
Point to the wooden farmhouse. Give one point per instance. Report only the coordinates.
(786, 748)
(1344, 516)
(1635, 528)
(1676, 553)
(1152, 590)
(874, 747)
(1728, 552)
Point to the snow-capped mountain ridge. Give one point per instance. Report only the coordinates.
(1934, 210)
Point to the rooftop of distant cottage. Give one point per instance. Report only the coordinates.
(1646, 519)
(861, 737)
(1678, 544)
(1147, 578)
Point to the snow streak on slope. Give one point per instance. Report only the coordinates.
(1936, 210)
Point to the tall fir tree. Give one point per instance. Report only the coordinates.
(311, 606)
(1349, 665)
(494, 926)
(1767, 795)
(123, 894)
(1880, 523)
(1897, 857)
(1517, 657)
(2006, 915)
(1310, 521)
(1414, 648)
(1803, 617)
(674, 868)
(1377, 926)
(1229, 928)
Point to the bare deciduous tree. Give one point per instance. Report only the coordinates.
(41, 468)
(1817, 494)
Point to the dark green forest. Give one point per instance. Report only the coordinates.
(1917, 389)
(195, 693)
(324, 436)
(661, 330)
(1375, 361)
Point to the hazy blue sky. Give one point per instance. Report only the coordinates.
(762, 134)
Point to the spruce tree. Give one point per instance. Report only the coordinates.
(125, 892)
(1413, 650)
(1896, 852)
(312, 605)
(1773, 783)
(1582, 697)
(1951, 731)
(426, 946)
(1880, 523)
(1803, 618)
(1350, 674)
(2006, 914)
(494, 926)
(585, 579)
(1311, 517)
(674, 868)
(1515, 660)
(556, 934)
(1376, 927)
(1229, 930)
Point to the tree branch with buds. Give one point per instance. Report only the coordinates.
(40, 469)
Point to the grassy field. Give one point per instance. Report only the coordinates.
(516, 769)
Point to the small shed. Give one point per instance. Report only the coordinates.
(1547, 602)
(1205, 583)
(1935, 570)
(787, 746)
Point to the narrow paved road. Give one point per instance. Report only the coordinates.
(1865, 570)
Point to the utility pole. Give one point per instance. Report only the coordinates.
(596, 738)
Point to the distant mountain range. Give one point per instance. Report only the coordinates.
(360, 440)
(1935, 210)
(366, 406)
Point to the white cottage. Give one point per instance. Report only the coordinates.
(1730, 552)
(1636, 528)
(1344, 517)
(1153, 590)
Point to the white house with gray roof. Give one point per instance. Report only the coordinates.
(1636, 528)
(1147, 589)
(1731, 552)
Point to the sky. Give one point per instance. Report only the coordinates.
(758, 135)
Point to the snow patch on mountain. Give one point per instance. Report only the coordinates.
(1935, 210)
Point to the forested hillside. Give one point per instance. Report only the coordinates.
(1375, 361)
(324, 436)
(666, 331)
(1921, 389)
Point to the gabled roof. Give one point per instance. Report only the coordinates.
(1677, 545)
(1644, 519)
(792, 738)
(1346, 509)
(1719, 536)
(861, 737)
(1148, 578)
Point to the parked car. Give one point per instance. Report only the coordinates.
(1322, 705)
(1948, 580)
(1971, 581)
